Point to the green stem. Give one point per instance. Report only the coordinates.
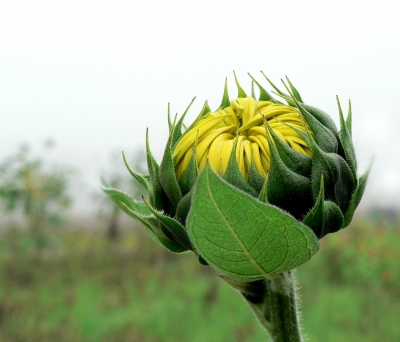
(257, 309)
(278, 312)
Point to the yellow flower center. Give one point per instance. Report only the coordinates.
(242, 120)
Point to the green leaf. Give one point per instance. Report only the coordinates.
(241, 92)
(174, 228)
(356, 198)
(326, 217)
(141, 212)
(255, 287)
(118, 196)
(154, 230)
(142, 179)
(241, 237)
(253, 291)
(202, 261)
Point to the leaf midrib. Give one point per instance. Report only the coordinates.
(242, 246)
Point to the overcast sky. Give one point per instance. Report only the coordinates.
(94, 74)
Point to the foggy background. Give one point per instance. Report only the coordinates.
(93, 75)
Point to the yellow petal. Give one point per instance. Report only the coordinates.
(262, 143)
(204, 126)
(247, 153)
(226, 151)
(257, 159)
(216, 152)
(240, 155)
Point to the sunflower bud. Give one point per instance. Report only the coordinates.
(256, 177)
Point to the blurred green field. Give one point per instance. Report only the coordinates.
(72, 285)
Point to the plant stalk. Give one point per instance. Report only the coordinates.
(278, 312)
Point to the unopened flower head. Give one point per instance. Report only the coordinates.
(241, 125)
(279, 150)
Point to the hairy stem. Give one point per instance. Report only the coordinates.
(278, 312)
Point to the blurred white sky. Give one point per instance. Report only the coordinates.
(94, 74)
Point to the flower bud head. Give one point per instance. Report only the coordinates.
(289, 156)
(241, 126)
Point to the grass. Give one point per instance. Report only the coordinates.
(82, 287)
(351, 288)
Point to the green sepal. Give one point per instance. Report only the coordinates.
(169, 118)
(262, 196)
(233, 175)
(253, 291)
(155, 191)
(119, 196)
(356, 198)
(184, 206)
(242, 237)
(295, 161)
(175, 230)
(141, 212)
(166, 174)
(153, 228)
(144, 180)
(338, 179)
(326, 217)
(285, 188)
(253, 95)
(204, 111)
(325, 139)
(225, 98)
(327, 122)
(189, 176)
(281, 94)
(295, 93)
(177, 128)
(241, 92)
(264, 95)
(349, 118)
(323, 118)
(305, 136)
(255, 180)
(347, 143)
